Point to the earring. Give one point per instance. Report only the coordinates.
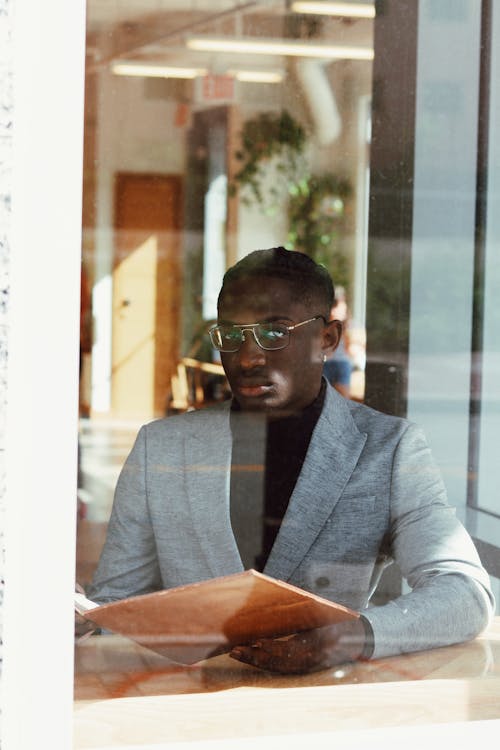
(324, 357)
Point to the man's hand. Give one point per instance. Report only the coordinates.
(309, 651)
(83, 627)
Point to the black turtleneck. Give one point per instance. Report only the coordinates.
(267, 458)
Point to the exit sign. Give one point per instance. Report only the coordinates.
(215, 89)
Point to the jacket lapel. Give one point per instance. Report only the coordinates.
(208, 468)
(333, 453)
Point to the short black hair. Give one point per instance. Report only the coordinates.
(311, 282)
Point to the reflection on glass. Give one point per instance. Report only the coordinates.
(168, 175)
(210, 131)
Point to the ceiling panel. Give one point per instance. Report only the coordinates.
(108, 12)
(156, 30)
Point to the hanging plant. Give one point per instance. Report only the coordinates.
(269, 141)
(316, 210)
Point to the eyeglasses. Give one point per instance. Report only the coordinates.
(269, 336)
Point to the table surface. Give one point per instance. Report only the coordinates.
(124, 692)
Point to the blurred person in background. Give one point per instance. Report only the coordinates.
(338, 366)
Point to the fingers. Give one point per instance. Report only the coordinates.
(309, 651)
(83, 628)
(295, 655)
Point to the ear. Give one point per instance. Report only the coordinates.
(332, 333)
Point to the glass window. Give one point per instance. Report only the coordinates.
(350, 134)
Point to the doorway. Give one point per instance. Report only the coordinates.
(146, 292)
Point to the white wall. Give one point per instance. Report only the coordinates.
(6, 97)
(44, 236)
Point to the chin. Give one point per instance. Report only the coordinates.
(259, 404)
(253, 404)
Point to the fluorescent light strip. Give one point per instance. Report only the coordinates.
(256, 76)
(346, 10)
(273, 47)
(154, 71)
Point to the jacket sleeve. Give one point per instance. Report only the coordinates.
(450, 599)
(128, 565)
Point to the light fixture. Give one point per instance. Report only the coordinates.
(256, 76)
(346, 10)
(150, 70)
(260, 46)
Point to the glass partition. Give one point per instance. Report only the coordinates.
(348, 133)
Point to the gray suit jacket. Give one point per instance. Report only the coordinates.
(368, 492)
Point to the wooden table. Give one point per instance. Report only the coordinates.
(128, 696)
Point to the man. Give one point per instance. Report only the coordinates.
(294, 479)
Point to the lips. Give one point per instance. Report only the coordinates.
(253, 389)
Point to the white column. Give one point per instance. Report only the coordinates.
(43, 374)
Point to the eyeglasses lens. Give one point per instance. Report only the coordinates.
(272, 335)
(268, 336)
(226, 338)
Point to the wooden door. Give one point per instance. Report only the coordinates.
(146, 292)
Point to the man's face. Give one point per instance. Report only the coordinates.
(282, 381)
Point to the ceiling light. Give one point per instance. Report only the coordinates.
(149, 70)
(278, 47)
(256, 76)
(346, 10)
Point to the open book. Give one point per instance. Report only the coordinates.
(191, 623)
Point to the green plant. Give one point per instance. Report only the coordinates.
(274, 174)
(316, 210)
(269, 137)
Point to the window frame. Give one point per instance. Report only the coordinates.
(42, 397)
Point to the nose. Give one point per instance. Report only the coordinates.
(250, 354)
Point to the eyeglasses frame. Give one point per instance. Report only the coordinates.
(252, 326)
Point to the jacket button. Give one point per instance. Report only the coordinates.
(322, 582)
